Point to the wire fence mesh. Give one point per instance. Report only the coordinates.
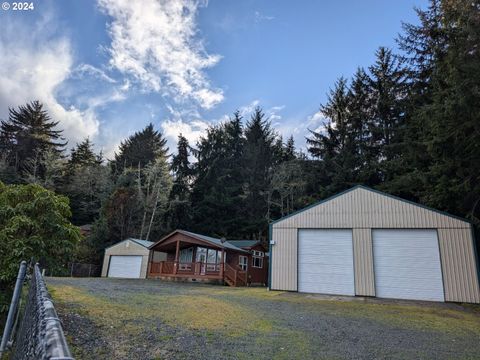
(84, 270)
(40, 335)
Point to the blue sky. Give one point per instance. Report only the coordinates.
(106, 68)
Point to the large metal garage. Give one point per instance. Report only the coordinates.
(367, 243)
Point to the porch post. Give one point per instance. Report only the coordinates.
(222, 264)
(176, 257)
(194, 260)
(149, 265)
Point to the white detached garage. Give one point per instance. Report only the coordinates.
(364, 242)
(129, 259)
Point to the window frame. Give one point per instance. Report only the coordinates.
(260, 260)
(258, 253)
(242, 265)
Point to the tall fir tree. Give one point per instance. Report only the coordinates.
(178, 215)
(86, 182)
(140, 149)
(336, 145)
(27, 136)
(387, 81)
(217, 194)
(259, 160)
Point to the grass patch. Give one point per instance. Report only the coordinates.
(185, 311)
(247, 321)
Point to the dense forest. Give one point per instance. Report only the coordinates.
(409, 124)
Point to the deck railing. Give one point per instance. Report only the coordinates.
(234, 275)
(186, 268)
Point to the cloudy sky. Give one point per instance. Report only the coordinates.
(106, 68)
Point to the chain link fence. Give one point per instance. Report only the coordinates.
(40, 335)
(84, 270)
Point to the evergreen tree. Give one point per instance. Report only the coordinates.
(387, 81)
(87, 182)
(27, 135)
(362, 128)
(182, 170)
(140, 149)
(289, 150)
(217, 194)
(336, 145)
(453, 115)
(259, 160)
(83, 155)
(178, 215)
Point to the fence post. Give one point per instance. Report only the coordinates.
(89, 269)
(13, 307)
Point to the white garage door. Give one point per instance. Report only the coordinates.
(125, 266)
(325, 261)
(407, 265)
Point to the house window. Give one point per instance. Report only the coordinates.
(257, 259)
(242, 262)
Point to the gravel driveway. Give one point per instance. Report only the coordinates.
(150, 319)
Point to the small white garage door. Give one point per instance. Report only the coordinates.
(325, 261)
(125, 266)
(407, 265)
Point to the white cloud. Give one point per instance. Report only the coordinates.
(87, 69)
(192, 130)
(316, 122)
(33, 65)
(247, 109)
(156, 43)
(261, 17)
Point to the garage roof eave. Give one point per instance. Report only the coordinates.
(143, 243)
(375, 191)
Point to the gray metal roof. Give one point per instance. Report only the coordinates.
(215, 241)
(244, 243)
(144, 243)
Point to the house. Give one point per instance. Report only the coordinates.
(129, 259)
(363, 242)
(195, 257)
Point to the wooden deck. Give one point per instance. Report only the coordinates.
(197, 271)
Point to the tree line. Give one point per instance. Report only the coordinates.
(409, 125)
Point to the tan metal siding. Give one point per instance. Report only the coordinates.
(122, 249)
(284, 267)
(363, 210)
(363, 262)
(460, 278)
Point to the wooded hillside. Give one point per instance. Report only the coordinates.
(409, 125)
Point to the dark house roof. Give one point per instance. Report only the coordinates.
(214, 241)
(244, 243)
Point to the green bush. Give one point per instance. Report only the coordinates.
(34, 224)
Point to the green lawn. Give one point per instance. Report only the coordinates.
(143, 319)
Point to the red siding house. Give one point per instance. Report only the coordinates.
(195, 257)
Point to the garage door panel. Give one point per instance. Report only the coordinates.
(411, 294)
(325, 261)
(407, 264)
(332, 289)
(406, 261)
(122, 266)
